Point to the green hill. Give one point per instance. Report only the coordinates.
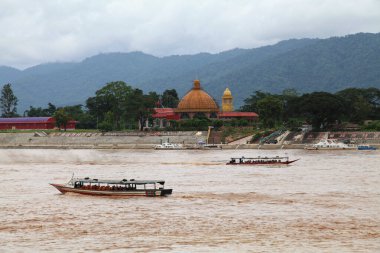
(305, 64)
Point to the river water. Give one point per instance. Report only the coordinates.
(329, 201)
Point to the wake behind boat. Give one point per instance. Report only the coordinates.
(120, 188)
(277, 160)
(330, 144)
(169, 146)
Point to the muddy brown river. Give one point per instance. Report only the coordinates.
(329, 201)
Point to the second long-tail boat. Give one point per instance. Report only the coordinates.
(276, 160)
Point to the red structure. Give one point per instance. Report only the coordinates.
(165, 113)
(30, 123)
(238, 115)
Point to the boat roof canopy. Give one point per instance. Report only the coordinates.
(123, 181)
(262, 158)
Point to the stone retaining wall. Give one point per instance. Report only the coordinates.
(120, 141)
(95, 140)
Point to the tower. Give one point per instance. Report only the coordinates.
(227, 99)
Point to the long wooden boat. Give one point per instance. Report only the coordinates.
(120, 188)
(276, 160)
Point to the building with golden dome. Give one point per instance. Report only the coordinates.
(198, 103)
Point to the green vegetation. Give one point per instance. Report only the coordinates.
(230, 133)
(40, 112)
(320, 109)
(170, 99)
(261, 134)
(8, 102)
(118, 106)
(373, 126)
(61, 118)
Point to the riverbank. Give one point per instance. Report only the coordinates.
(124, 140)
(148, 146)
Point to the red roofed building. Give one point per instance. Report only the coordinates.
(238, 115)
(162, 116)
(199, 102)
(31, 123)
(167, 113)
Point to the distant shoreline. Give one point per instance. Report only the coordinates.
(150, 146)
(66, 140)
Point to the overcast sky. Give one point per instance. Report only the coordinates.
(40, 31)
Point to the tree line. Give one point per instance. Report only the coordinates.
(320, 109)
(118, 106)
(115, 106)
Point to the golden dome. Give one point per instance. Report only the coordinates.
(227, 93)
(197, 100)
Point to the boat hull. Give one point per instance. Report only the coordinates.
(267, 163)
(132, 193)
(366, 148)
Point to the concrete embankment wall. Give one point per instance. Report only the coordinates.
(266, 146)
(120, 141)
(110, 141)
(32, 140)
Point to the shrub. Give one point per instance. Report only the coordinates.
(374, 126)
(105, 126)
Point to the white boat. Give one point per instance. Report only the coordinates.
(330, 144)
(169, 146)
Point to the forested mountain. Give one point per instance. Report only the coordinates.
(7, 74)
(305, 64)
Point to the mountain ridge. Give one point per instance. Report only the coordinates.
(307, 65)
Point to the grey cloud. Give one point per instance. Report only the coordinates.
(36, 32)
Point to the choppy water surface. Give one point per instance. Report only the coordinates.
(326, 202)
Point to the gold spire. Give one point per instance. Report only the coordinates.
(227, 93)
(197, 85)
(227, 99)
